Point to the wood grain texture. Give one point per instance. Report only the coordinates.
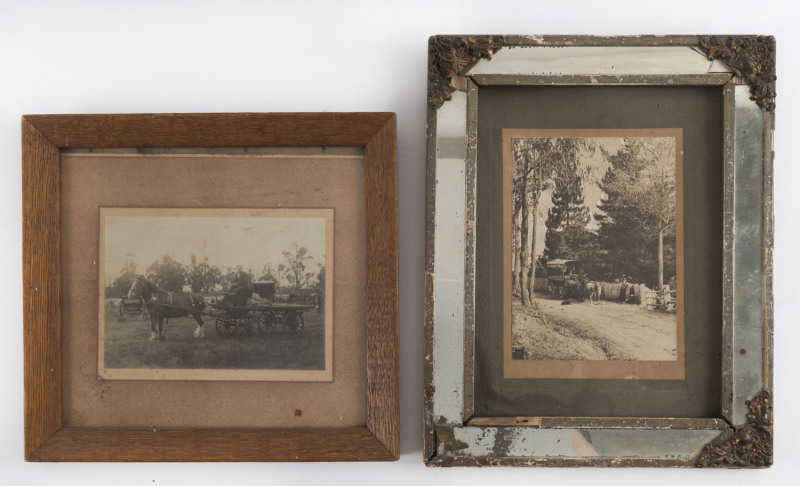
(213, 445)
(41, 287)
(210, 129)
(44, 135)
(380, 181)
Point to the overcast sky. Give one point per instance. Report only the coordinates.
(251, 242)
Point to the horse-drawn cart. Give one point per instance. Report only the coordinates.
(562, 278)
(133, 308)
(252, 308)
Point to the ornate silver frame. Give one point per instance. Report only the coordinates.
(743, 68)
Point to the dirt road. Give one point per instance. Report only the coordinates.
(582, 330)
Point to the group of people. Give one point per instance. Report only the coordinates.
(577, 286)
(664, 299)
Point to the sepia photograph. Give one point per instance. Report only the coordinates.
(216, 294)
(593, 250)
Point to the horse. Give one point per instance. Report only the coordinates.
(594, 291)
(162, 304)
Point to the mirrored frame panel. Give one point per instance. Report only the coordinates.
(717, 95)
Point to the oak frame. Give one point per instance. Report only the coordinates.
(43, 136)
(741, 67)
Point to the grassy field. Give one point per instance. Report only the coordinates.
(127, 345)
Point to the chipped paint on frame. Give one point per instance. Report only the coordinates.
(594, 60)
(578, 443)
(448, 308)
(748, 294)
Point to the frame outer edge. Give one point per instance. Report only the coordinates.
(769, 243)
(41, 282)
(380, 171)
(210, 129)
(563, 462)
(214, 445)
(429, 433)
(769, 233)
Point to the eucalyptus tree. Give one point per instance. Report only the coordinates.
(538, 161)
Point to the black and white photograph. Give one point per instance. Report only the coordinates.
(593, 246)
(216, 294)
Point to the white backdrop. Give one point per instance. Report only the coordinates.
(232, 55)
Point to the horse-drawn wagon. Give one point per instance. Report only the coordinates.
(254, 308)
(563, 278)
(133, 308)
(247, 308)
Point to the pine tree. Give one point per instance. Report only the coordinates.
(567, 236)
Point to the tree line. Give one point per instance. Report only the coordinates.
(633, 232)
(295, 273)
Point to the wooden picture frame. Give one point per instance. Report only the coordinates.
(44, 136)
(481, 85)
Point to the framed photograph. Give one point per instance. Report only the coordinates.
(599, 251)
(294, 250)
(586, 256)
(210, 287)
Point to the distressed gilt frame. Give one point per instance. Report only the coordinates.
(43, 137)
(743, 68)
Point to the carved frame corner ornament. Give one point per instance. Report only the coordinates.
(749, 445)
(753, 57)
(450, 56)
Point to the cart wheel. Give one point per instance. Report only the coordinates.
(295, 322)
(225, 326)
(266, 322)
(249, 325)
